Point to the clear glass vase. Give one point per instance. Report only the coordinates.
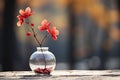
(42, 61)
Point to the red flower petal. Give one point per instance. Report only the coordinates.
(48, 24)
(23, 15)
(45, 25)
(26, 13)
(40, 28)
(19, 23)
(44, 22)
(28, 10)
(20, 17)
(53, 32)
(21, 12)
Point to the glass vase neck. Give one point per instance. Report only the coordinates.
(42, 48)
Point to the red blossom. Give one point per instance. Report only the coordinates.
(53, 32)
(23, 14)
(26, 13)
(45, 25)
(28, 34)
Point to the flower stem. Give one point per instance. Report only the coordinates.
(36, 37)
(44, 39)
(40, 44)
(41, 49)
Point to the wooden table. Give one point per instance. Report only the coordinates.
(63, 75)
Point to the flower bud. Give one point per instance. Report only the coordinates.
(28, 34)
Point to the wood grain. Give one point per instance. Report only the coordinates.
(63, 75)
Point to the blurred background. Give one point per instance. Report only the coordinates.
(89, 33)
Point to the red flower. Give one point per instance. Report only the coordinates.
(45, 25)
(25, 13)
(53, 32)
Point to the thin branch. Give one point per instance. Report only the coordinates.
(36, 37)
(44, 39)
